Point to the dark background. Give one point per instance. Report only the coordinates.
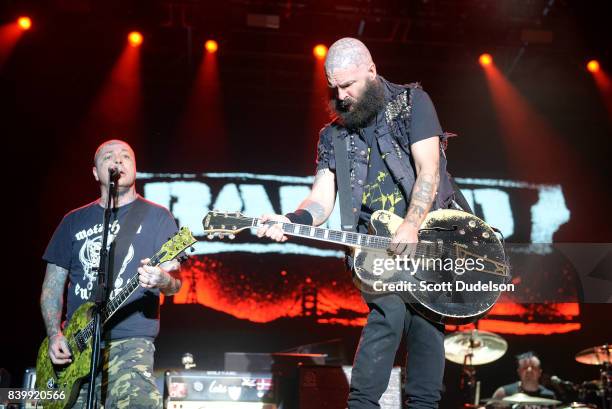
(266, 82)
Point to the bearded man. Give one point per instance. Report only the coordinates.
(393, 143)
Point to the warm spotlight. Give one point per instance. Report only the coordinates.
(485, 59)
(320, 51)
(211, 46)
(593, 66)
(25, 23)
(135, 39)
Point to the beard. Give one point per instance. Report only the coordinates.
(354, 114)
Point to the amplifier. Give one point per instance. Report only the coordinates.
(327, 387)
(213, 389)
(219, 405)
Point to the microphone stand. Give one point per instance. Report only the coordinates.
(101, 293)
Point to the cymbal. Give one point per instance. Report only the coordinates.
(495, 402)
(483, 346)
(580, 405)
(529, 400)
(596, 355)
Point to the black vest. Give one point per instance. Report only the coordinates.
(393, 139)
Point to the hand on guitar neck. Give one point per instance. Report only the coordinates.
(273, 231)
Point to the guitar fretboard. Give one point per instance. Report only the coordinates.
(113, 305)
(333, 236)
(351, 239)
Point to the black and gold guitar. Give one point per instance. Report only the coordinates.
(67, 379)
(454, 247)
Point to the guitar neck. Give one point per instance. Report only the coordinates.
(113, 305)
(328, 235)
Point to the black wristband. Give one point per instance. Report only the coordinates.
(300, 216)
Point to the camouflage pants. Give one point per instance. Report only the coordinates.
(126, 379)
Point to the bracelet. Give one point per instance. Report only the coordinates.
(300, 216)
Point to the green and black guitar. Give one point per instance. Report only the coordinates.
(68, 378)
(446, 235)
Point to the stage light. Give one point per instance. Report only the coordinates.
(135, 39)
(593, 66)
(485, 59)
(25, 23)
(319, 51)
(211, 46)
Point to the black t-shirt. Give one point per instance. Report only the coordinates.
(542, 392)
(75, 246)
(380, 191)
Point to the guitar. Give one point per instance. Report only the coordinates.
(67, 379)
(448, 241)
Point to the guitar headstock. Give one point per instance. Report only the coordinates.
(225, 223)
(175, 245)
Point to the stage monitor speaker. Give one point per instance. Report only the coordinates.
(327, 387)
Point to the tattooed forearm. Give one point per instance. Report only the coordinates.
(172, 287)
(316, 210)
(423, 195)
(52, 298)
(173, 283)
(320, 201)
(320, 174)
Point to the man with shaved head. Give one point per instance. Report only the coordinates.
(137, 229)
(529, 370)
(391, 136)
(351, 76)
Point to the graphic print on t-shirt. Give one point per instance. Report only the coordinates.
(89, 257)
(380, 191)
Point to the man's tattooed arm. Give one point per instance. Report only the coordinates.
(52, 298)
(423, 194)
(321, 200)
(171, 283)
(426, 154)
(316, 210)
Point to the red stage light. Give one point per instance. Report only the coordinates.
(211, 46)
(593, 66)
(135, 39)
(25, 23)
(319, 51)
(485, 59)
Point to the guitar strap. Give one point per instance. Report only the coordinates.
(347, 217)
(121, 245)
(459, 200)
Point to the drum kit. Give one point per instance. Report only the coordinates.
(473, 347)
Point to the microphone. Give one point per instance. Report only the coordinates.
(113, 174)
(558, 381)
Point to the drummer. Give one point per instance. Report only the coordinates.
(529, 372)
